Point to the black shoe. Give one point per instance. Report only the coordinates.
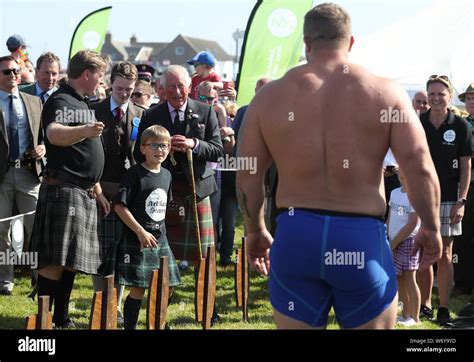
(68, 324)
(5, 292)
(426, 312)
(226, 263)
(119, 319)
(443, 318)
(215, 319)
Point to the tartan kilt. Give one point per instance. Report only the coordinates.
(133, 267)
(182, 238)
(65, 231)
(110, 232)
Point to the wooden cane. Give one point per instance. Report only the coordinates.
(189, 154)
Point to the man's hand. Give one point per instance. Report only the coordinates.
(258, 250)
(431, 243)
(457, 213)
(93, 130)
(146, 239)
(38, 152)
(180, 143)
(226, 132)
(229, 93)
(104, 204)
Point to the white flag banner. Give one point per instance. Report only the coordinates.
(17, 234)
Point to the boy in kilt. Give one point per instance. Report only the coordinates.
(141, 201)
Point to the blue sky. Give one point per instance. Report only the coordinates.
(49, 25)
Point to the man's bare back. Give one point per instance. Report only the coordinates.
(327, 138)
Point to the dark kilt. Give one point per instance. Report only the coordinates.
(111, 228)
(133, 267)
(65, 231)
(182, 238)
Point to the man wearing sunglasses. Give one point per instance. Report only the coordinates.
(142, 94)
(21, 138)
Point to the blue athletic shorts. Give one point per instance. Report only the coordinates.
(322, 259)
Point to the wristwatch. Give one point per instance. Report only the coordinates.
(462, 201)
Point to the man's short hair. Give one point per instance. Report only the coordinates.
(85, 60)
(327, 24)
(205, 87)
(48, 57)
(8, 58)
(177, 69)
(155, 132)
(125, 70)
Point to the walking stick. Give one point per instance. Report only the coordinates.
(189, 154)
(204, 295)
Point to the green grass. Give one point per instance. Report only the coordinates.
(15, 308)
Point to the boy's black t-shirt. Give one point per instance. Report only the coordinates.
(448, 143)
(84, 159)
(146, 195)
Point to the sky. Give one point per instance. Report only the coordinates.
(49, 25)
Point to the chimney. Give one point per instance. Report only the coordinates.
(133, 40)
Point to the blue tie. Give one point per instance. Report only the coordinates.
(13, 126)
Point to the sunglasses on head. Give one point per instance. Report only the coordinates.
(208, 99)
(15, 71)
(138, 94)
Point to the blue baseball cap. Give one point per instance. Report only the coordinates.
(203, 58)
(15, 41)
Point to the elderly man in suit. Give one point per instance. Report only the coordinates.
(47, 73)
(193, 125)
(118, 114)
(21, 149)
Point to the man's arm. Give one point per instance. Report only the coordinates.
(410, 148)
(64, 136)
(210, 148)
(250, 190)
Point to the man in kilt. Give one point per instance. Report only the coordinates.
(192, 125)
(65, 232)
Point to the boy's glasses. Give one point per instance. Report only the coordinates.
(156, 146)
(15, 71)
(206, 99)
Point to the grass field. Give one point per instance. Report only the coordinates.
(15, 308)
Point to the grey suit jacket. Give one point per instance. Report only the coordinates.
(33, 108)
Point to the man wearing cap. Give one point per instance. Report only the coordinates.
(145, 72)
(17, 47)
(21, 140)
(47, 73)
(463, 245)
(449, 140)
(203, 63)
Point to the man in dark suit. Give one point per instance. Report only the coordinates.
(47, 72)
(193, 125)
(21, 149)
(118, 114)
